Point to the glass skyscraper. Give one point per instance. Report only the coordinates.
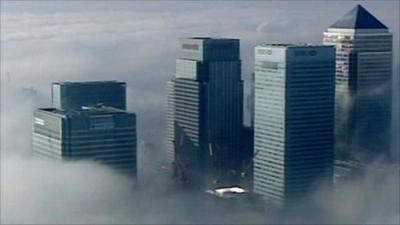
(363, 85)
(250, 99)
(293, 119)
(100, 133)
(205, 109)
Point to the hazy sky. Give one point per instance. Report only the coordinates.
(136, 42)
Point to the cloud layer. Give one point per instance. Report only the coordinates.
(140, 48)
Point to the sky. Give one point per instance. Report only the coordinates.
(137, 42)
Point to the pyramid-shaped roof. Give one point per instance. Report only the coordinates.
(358, 18)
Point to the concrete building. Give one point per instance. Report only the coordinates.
(205, 109)
(294, 119)
(73, 95)
(363, 85)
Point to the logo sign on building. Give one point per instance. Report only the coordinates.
(190, 46)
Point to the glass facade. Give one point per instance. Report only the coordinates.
(205, 100)
(106, 135)
(293, 119)
(74, 95)
(88, 121)
(363, 88)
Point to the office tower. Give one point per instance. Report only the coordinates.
(250, 99)
(100, 133)
(170, 128)
(363, 85)
(73, 95)
(247, 152)
(205, 111)
(247, 139)
(294, 119)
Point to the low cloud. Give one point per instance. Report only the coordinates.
(140, 48)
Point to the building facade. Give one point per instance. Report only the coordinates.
(85, 128)
(293, 119)
(170, 127)
(363, 85)
(74, 95)
(205, 114)
(250, 99)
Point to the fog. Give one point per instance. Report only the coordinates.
(138, 45)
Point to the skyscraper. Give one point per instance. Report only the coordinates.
(205, 111)
(74, 95)
(363, 85)
(250, 99)
(294, 119)
(170, 128)
(100, 133)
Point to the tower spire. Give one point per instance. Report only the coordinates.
(358, 18)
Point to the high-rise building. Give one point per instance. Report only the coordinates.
(363, 85)
(247, 153)
(103, 134)
(205, 109)
(247, 139)
(294, 119)
(250, 99)
(74, 95)
(100, 133)
(170, 128)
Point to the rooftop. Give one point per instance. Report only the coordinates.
(288, 45)
(86, 82)
(358, 18)
(277, 44)
(97, 110)
(211, 38)
(201, 38)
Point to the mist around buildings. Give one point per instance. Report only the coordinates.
(140, 48)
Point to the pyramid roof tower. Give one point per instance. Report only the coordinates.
(358, 18)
